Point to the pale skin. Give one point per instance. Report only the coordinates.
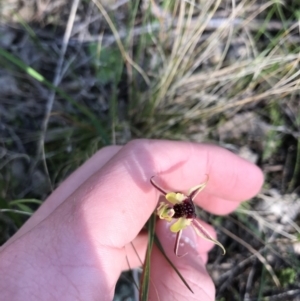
(75, 246)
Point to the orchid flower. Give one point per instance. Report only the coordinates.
(180, 207)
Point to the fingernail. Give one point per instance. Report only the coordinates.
(188, 243)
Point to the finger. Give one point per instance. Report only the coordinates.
(231, 180)
(215, 204)
(69, 185)
(165, 283)
(204, 246)
(230, 177)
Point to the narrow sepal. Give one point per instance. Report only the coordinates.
(196, 189)
(177, 242)
(157, 186)
(202, 232)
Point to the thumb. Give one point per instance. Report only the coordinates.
(165, 284)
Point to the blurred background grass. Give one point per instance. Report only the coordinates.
(78, 75)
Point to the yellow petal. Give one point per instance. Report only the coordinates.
(202, 232)
(180, 224)
(165, 212)
(175, 198)
(180, 197)
(171, 197)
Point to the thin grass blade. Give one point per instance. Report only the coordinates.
(145, 281)
(37, 76)
(25, 201)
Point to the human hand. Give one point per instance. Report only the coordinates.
(75, 246)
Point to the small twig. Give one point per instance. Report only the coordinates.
(258, 216)
(10, 157)
(56, 82)
(118, 4)
(282, 296)
(213, 24)
(232, 271)
(249, 284)
(255, 252)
